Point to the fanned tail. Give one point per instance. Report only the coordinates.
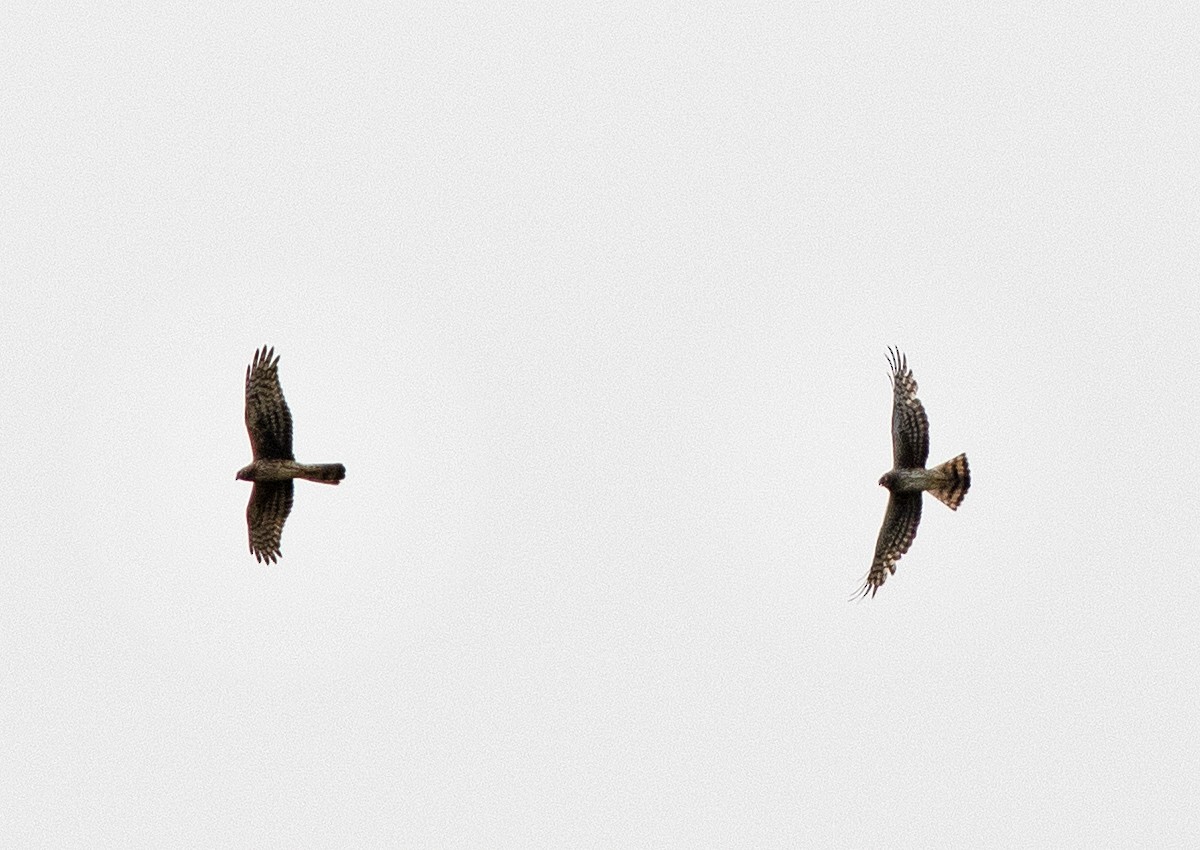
(956, 475)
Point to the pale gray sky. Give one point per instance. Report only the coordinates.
(593, 301)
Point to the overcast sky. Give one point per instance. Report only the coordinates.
(592, 301)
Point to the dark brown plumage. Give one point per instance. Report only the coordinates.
(269, 424)
(909, 478)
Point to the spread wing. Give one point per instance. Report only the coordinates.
(267, 511)
(268, 420)
(899, 528)
(910, 425)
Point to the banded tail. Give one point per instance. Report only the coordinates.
(323, 473)
(956, 475)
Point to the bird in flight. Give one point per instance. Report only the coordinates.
(269, 423)
(908, 478)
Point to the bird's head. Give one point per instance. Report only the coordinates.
(246, 473)
(885, 481)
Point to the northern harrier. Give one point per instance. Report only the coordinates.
(909, 477)
(270, 425)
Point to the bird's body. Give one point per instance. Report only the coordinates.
(279, 469)
(948, 482)
(909, 478)
(269, 424)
